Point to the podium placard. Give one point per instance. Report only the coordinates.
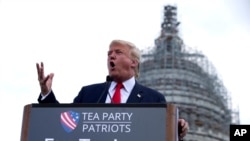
(99, 122)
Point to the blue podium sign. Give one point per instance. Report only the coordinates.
(95, 122)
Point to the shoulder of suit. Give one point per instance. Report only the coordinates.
(94, 85)
(145, 88)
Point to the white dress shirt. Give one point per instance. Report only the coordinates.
(128, 85)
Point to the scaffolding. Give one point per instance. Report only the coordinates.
(187, 78)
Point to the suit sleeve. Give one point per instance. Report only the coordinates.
(49, 99)
(162, 99)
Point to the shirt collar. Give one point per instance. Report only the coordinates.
(128, 84)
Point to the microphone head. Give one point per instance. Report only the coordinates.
(109, 78)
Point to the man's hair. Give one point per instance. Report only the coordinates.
(134, 52)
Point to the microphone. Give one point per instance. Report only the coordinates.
(107, 85)
(109, 79)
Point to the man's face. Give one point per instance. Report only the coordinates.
(120, 64)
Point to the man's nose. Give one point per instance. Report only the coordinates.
(112, 56)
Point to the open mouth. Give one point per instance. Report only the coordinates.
(112, 64)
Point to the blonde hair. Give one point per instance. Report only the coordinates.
(134, 52)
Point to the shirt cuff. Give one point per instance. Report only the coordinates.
(44, 96)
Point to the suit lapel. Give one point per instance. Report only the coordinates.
(103, 94)
(136, 95)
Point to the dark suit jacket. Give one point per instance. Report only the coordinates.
(97, 93)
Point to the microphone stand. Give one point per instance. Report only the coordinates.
(107, 85)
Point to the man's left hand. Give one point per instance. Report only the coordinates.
(183, 128)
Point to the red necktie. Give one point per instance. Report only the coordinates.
(117, 95)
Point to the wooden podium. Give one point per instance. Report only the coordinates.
(98, 122)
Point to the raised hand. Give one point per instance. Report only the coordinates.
(45, 82)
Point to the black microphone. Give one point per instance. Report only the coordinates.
(107, 85)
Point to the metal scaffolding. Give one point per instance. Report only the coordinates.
(187, 78)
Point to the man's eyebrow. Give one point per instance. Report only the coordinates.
(119, 49)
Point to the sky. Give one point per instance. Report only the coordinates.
(71, 37)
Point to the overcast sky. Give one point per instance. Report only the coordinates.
(71, 37)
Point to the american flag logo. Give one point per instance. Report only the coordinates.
(69, 120)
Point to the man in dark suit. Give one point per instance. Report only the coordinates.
(123, 67)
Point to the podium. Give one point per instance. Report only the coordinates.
(100, 122)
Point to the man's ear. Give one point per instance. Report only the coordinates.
(134, 63)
